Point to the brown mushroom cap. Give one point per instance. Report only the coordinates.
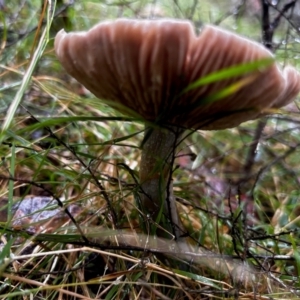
(144, 65)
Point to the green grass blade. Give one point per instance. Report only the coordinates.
(227, 91)
(230, 72)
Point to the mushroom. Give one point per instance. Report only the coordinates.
(148, 68)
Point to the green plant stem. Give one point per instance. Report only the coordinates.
(156, 197)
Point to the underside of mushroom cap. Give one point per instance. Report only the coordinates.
(124, 61)
(142, 66)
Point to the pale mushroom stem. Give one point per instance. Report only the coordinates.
(156, 197)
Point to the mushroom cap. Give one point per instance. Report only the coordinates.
(143, 67)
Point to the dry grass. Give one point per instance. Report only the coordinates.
(239, 203)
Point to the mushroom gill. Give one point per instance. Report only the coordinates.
(144, 65)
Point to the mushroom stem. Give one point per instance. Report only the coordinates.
(156, 197)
